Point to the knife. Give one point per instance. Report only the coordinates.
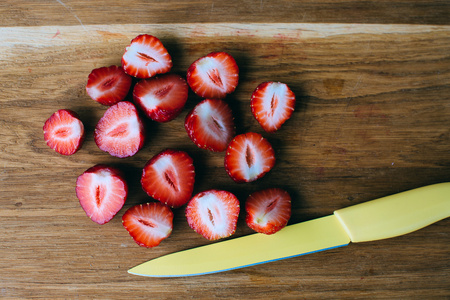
(382, 218)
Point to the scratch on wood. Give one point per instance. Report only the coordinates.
(355, 88)
(71, 11)
(56, 34)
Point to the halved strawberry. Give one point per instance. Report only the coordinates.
(214, 75)
(148, 224)
(169, 177)
(102, 191)
(108, 85)
(272, 103)
(213, 214)
(161, 98)
(120, 131)
(268, 211)
(145, 57)
(210, 125)
(249, 156)
(64, 132)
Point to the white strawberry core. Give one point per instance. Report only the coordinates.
(162, 166)
(67, 131)
(154, 226)
(213, 213)
(216, 126)
(65, 134)
(210, 70)
(250, 163)
(275, 102)
(264, 217)
(100, 191)
(104, 198)
(128, 127)
(145, 57)
(94, 92)
(150, 101)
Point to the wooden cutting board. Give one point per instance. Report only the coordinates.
(372, 119)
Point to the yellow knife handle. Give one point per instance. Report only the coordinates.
(397, 214)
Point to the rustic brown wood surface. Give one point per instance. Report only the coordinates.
(372, 119)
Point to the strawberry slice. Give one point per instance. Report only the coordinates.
(213, 214)
(272, 103)
(249, 157)
(169, 177)
(161, 98)
(145, 57)
(214, 75)
(64, 132)
(102, 191)
(120, 131)
(268, 211)
(210, 125)
(148, 224)
(108, 85)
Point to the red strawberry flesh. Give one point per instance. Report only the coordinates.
(213, 214)
(210, 125)
(272, 103)
(268, 211)
(64, 132)
(108, 85)
(148, 224)
(214, 75)
(169, 177)
(145, 57)
(161, 98)
(120, 131)
(102, 191)
(249, 156)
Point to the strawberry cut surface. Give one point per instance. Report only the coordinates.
(148, 224)
(120, 131)
(161, 98)
(64, 132)
(272, 103)
(102, 192)
(145, 57)
(268, 210)
(169, 177)
(210, 125)
(213, 214)
(108, 85)
(249, 156)
(214, 75)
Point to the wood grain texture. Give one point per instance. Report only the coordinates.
(85, 12)
(372, 119)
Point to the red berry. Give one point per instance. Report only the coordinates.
(272, 103)
(169, 177)
(214, 75)
(268, 210)
(249, 157)
(213, 214)
(120, 131)
(108, 85)
(148, 224)
(161, 98)
(145, 57)
(102, 191)
(210, 125)
(64, 132)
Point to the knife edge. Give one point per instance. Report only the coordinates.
(130, 271)
(294, 240)
(377, 219)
